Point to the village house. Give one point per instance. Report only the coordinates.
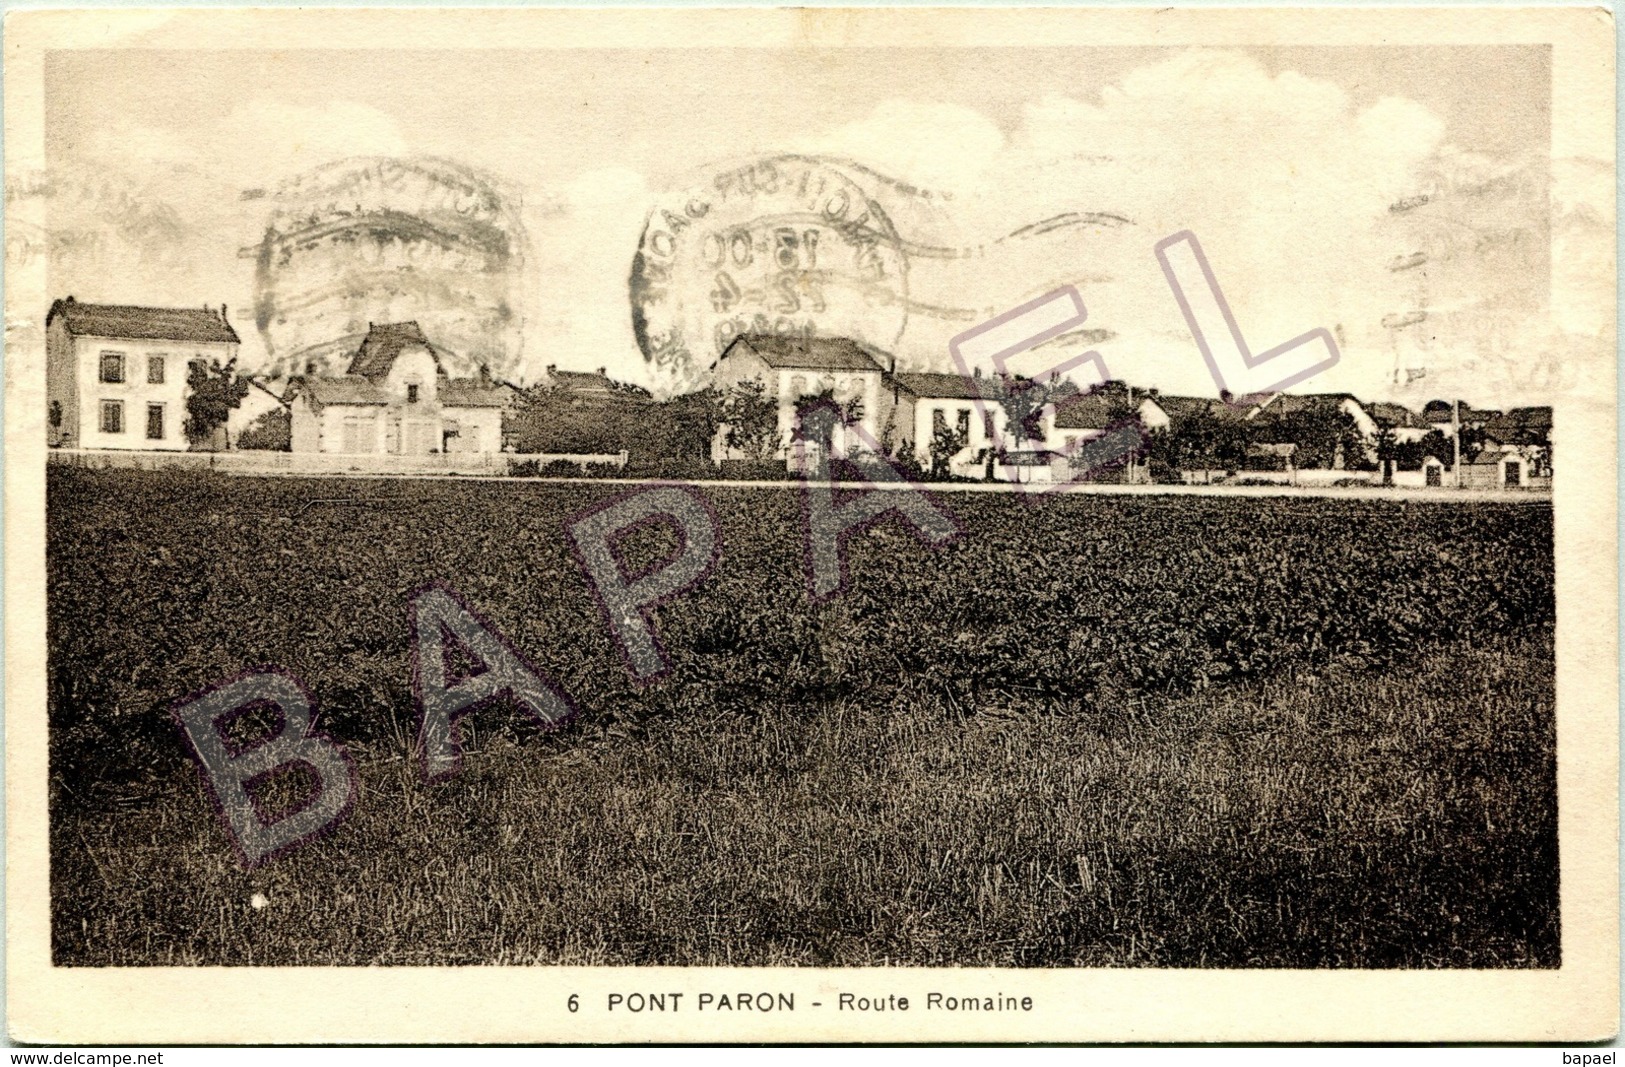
(589, 385)
(1515, 452)
(1082, 418)
(115, 376)
(791, 368)
(966, 408)
(1405, 424)
(1444, 416)
(1218, 415)
(397, 399)
(1269, 423)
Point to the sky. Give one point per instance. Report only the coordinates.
(1284, 161)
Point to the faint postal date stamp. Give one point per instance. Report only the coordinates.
(790, 245)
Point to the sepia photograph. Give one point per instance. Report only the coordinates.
(839, 532)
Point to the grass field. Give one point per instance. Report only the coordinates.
(1100, 732)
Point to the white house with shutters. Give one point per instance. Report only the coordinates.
(794, 368)
(115, 375)
(396, 399)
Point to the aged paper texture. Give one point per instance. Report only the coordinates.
(811, 525)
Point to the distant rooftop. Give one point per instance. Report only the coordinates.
(931, 385)
(808, 353)
(128, 322)
(383, 343)
(1396, 415)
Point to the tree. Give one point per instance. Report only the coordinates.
(1438, 445)
(1473, 439)
(1201, 439)
(947, 441)
(214, 392)
(818, 416)
(691, 423)
(1387, 447)
(272, 432)
(1023, 401)
(752, 420)
(1325, 434)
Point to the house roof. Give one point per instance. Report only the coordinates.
(196, 325)
(354, 389)
(1491, 455)
(581, 381)
(472, 393)
(1435, 412)
(932, 385)
(1091, 411)
(350, 389)
(1537, 418)
(1282, 404)
(384, 342)
(1521, 426)
(1186, 406)
(1397, 415)
(807, 353)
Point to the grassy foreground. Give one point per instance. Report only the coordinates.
(1384, 817)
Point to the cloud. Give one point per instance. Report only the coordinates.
(933, 145)
(584, 234)
(286, 139)
(265, 140)
(1283, 178)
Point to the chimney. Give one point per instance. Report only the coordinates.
(977, 372)
(485, 374)
(603, 372)
(222, 313)
(552, 369)
(310, 366)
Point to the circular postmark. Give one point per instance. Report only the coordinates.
(789, 245)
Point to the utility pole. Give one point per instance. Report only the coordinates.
(1455, 437)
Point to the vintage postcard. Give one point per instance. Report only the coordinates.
(782, 525)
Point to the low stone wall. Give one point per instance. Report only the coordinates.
(256, 462)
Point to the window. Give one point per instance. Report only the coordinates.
(155, 370)
(360, 434)
(964, 424)
(155, 422)
(112, 367)
(411, 392)
(939, 420)
(112, 416)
